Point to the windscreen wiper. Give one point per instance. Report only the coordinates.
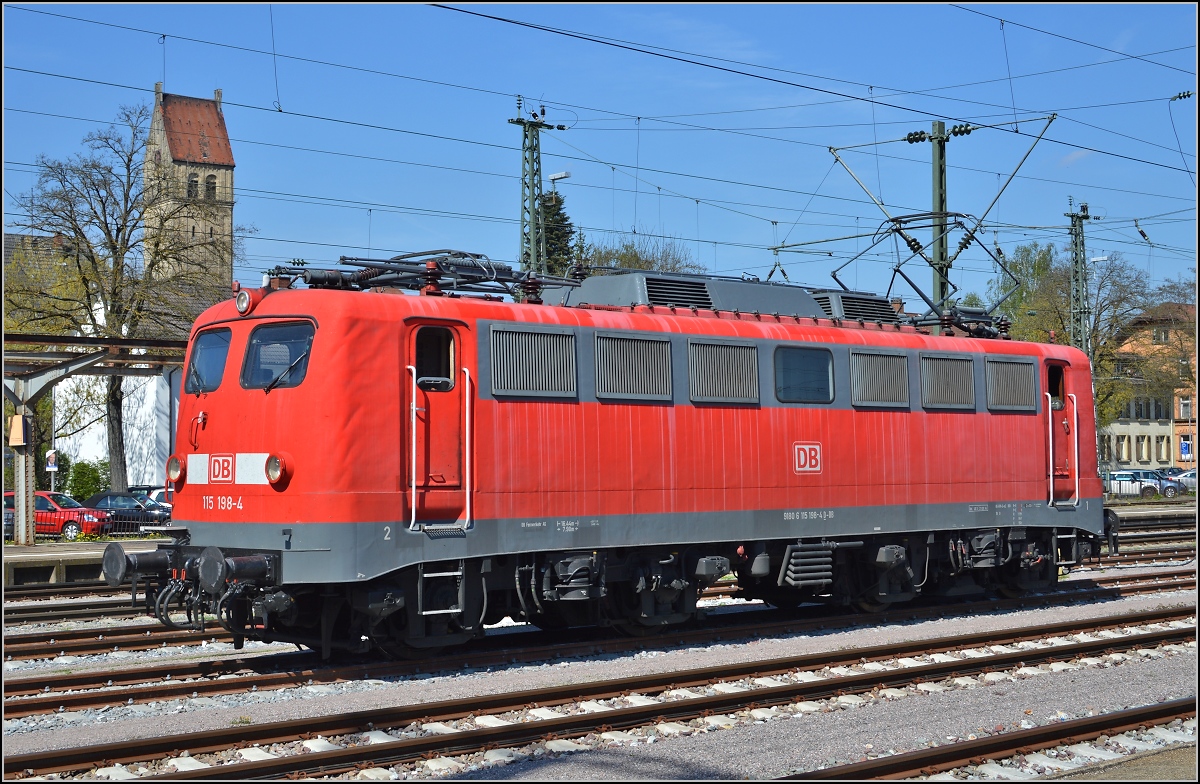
(275, 381)
(196, 375)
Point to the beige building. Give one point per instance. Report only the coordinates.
(1156, 432)
(1141, 437)
(189, 186)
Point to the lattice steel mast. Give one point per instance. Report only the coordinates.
(533, 232)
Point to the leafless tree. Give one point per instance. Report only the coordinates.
(114, 258)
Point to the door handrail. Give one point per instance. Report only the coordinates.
(468, 443)
(1075, 415)
(1049, 441)
(412, 521)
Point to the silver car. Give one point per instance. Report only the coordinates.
(1142, 483)
(1188, 478)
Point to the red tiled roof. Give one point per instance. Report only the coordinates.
(196, 130)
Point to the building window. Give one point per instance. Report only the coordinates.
(1185, 408)
(1162, 449)
(1185, 449)
(1143, 449)
(193, 187)
(1106, 449)
(210, 187)
(1161, 335)
(1123, 449)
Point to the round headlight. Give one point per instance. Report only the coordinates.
(276, 469)
(174, 469)
(243, 301)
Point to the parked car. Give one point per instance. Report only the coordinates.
(160, 497)
(1167, 487)
(58, 514)
(1188, 479)
(1171, 472)
(10, 524)
(1143, 483)
(130, 511)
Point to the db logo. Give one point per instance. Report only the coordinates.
(220, 468)
(806, 458)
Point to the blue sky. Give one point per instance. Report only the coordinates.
(721, 144)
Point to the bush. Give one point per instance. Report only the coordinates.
(88, 477)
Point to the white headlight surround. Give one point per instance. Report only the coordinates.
(278, 468)
(243, 301)
(176, 468)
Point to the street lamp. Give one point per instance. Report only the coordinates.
(554, 178)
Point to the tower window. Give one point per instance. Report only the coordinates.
(210, 187)
(193, 187)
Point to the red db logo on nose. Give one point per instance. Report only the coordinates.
(806, 458)
(220, 468)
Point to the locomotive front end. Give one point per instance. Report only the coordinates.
(270, 474)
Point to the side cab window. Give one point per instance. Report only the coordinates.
(210, 349)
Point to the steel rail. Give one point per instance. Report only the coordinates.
(172, 679)
(469, 741)
(926, 762)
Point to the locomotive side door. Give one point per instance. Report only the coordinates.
(435, 388)
(1061, 438)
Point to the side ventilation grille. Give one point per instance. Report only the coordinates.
(681, 293)
(824, 301)
(868, 309)
(878, 379)
(538, 364)
(722, 373)
(633, 368)
(947, 382)
(1010, 385)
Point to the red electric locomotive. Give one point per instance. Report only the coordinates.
(356, 467)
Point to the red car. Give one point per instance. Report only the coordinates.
(56, 514)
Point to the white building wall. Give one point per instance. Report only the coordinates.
(151, 408)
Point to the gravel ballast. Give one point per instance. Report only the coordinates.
(770, 748)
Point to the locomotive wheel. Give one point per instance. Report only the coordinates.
(866, 604)
(782, 599)
(1010, 591)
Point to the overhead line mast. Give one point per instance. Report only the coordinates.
(1080, 326)
(532, 254)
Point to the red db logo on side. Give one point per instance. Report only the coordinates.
(806, 457)
(220, 468)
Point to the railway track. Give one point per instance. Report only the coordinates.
(980, 751)
(55, 691)
(671, 703)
